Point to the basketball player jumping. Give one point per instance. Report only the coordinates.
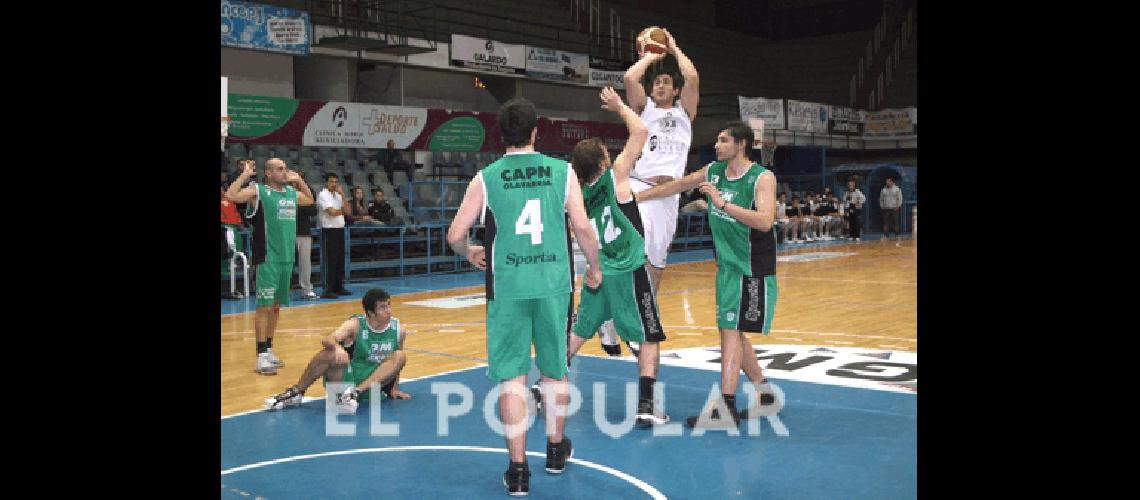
(670, 123)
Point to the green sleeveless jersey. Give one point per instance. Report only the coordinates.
(527, 244)
(371, 346)
(738, 247)
(622, 248)
(274, 224)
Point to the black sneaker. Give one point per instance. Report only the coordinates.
(517, 480)
(329, 295)
(612, 350)
(714, 418)
(648, 416)
(556, 455)
(342, 292)
(766, 399)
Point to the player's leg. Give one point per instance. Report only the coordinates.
(730, 307)
(592, 309)
(509, 334)
(638, 320)
(283, 274)
(266, 290)
(550, 329)
(762, 292)
(384, 373)
(323, 363)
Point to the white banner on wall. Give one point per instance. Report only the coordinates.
(479, 53)
(769, 110)
(808, 116)
(889, 123)
(558, 65)
(352, 125)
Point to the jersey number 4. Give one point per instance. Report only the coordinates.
(530, 221)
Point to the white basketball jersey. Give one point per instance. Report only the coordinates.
(667, 150)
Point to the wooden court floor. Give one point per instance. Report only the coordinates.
(865, 300)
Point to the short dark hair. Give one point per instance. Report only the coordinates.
(517, 119)
(740, 132)
(667, 66)
(586, 158)
(330, 175)
(373, 296)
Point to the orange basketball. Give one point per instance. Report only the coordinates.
(652, 39)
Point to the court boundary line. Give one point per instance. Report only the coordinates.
(642, 485)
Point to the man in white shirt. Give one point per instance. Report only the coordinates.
(890, 200)
(853, 201)
(330, 201)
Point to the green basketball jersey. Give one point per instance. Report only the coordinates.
(737, 246)
(274, 224)
(372, 346)
(526, 239)
(622, 246)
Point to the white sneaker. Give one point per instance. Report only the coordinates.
(858, 239)
(274, 359)
(536, 391)
(347, 402)
(265, 365)
(310, 296)
(290, 397)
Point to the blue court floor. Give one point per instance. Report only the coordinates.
(840, 442)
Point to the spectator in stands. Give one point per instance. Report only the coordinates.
(306, 216)
(824, 218)
(796, 214)
(357, 211)
(890, 200)
(379, 209)
(332, 210)
(853, 201)
(390, 159)
(785, 225)
(808, 219)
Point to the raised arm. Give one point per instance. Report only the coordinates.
(638, 133)
(634, 92)
(236, 193)
(304, 194)
(691, 92)
(671, 188)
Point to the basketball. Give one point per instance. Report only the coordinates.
(652, 39)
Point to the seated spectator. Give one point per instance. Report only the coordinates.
(824, 218)
(809, 220)
(379, 209)
(356, 212)
(391, 160)
(797, 214)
